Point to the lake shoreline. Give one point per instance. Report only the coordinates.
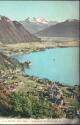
(15, 82)
(24, 57)
(27, 48)
(43, 80)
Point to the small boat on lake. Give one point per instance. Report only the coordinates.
(53, 59)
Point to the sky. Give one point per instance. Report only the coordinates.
(52, 10)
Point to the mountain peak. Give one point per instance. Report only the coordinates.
(42, 20)
(72, 20)
(1, 17)
(5, 18)
(37, 20)
(31, 19)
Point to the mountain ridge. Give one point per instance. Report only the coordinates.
(14, 32)
(68, 28)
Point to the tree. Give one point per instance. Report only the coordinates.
(21, 105)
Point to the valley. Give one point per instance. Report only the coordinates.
(30, 96)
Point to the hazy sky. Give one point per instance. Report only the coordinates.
(52, 10)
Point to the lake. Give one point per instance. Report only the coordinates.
(57, 64)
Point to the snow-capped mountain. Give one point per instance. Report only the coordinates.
(34, 25)
(37, 20)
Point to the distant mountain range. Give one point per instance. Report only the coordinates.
(68, 28)
(19, 32)
(14, 32)
(34, 25)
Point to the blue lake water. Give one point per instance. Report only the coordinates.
(57, 64)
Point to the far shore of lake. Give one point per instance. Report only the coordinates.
(26, 48)
(29, 47)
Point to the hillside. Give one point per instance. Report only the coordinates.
(14, 32)
(7, 63)
(69, 28)
(8, 67)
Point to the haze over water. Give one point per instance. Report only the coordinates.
(57, 64)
